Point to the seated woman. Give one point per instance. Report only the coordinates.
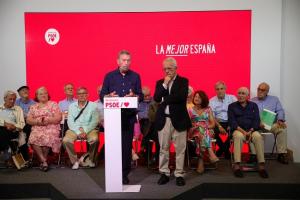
(202, 128)
(45, 119)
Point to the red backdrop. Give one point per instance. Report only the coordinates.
(215, 45)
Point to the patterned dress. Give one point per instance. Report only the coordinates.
(201, 121)
(45, 135)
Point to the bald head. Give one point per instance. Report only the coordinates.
(243, 94)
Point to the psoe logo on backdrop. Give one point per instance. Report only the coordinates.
(52, 36)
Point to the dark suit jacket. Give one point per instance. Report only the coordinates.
(177, 104)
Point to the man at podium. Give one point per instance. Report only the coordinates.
(124, 82)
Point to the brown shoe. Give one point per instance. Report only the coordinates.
(263, 173)
(282, 158)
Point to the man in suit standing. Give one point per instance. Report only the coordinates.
(172, 120)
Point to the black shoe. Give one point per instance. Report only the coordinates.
(238, 173)
(163, 179)
(180, 181)
(263, 173)
(282, 158)
(125, 180)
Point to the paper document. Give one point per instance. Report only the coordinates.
(267, 117)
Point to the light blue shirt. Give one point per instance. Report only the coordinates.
(220, 106)
(88, 120)
(64, 104)
(271, 103)
(25, 105)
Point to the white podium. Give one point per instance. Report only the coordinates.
(113, 147)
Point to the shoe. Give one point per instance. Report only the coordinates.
(84, 157)
(282, 158)
(44, 167)
(75, 165)
(9, 163)
(238, 173)
(214, 160)
(180, 181)
(125, 180)
(163, 179)
(87, 163)
(263, 173)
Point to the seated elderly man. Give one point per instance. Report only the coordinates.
(83, 118)
(272, 103)
(243, 120)
(64, 104)
(219, 105)
(11, 120)
(25, 103)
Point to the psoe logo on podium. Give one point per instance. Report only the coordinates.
(52, 36)
(120, 102)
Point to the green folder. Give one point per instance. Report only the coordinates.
(267, 117)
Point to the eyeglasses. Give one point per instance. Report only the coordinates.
(260, 89)
(242, 93)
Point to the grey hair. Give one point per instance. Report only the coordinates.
(171, 60)
(245, 89)
(123, 52)
(264, 83)
(220, 83)
(9, 92)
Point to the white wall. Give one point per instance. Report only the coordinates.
(290, 72)
(266, 37)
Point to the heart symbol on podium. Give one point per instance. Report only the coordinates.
(126, 104)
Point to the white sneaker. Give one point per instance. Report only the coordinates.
(87, 163)
(75, 165)
(83, 157)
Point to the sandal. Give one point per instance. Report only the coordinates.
(44, 166)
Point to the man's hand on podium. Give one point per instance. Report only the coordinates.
(112, 94)
(130, 94)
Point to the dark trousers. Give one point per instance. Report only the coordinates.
(151, 135)
(5, 139)
(24, 149)
(223, 146)
(127, 137)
